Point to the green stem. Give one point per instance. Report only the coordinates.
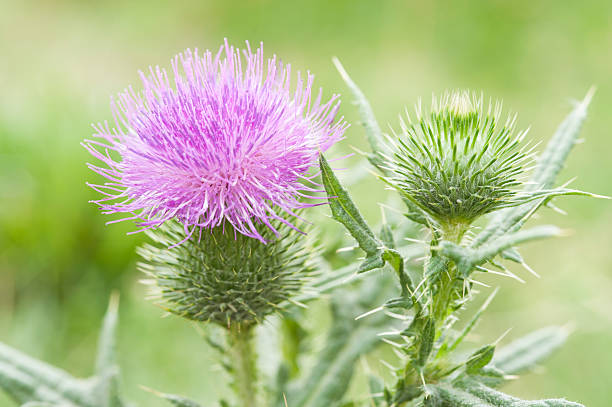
(243, 364)
(414, 373)
(444, 294)
(454, 233)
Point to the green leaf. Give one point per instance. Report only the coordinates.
(19, 386)
(377, 389)
(468, 258)
(552, 159)
(426, 342)
(328, 282)
(107, 347)
(26, 379)
(344, 211)
(512, 254)
(375, 138)
(180, 401)
(549, 165)
(347, 341)
(293, 336)
(436, 265)
(470, 393)
(370, 124)
(490, 376)
(479, 359)
(528, 351)
(106, 391)
(397, 262)
(499, 245)
(386, 235)
(176, 400)
(106, 388)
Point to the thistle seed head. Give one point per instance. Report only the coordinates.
(460, 161)
(223, 276)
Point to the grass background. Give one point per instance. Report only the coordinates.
(60, 61)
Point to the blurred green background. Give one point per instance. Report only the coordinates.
(61, 60)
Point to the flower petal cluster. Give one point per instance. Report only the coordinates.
(227, 139)
(460, 160)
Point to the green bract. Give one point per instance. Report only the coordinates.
(226, 277)
(460, 161)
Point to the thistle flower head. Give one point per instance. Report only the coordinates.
(223, 276)
(460, 161)
(224, 141)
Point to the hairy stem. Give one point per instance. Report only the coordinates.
(243, 364)
(444, 294)
(454, 233)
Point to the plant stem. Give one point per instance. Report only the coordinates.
(243, 363)
(414, 375)
(454, 233)
(444, 294)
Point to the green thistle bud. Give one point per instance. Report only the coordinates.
(460, 161)
(223, 276)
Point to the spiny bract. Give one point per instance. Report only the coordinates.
(223, 276)
(460, 161)
(223, 139)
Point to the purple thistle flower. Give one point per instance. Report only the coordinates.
(229, 141)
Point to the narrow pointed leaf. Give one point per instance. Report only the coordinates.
(27, 379)
(375, 138)
(512, 254)
(386, 235)
(530, 350)
(549, 165)
(18, 385)
(344, 211)
(327, 283)
(377, 389)
(470, 393)
(552, 159)
(180, 401)
(427, 340)
(38, 370)
(368, 120)
(174, 399)
(480, 359)
(468, 258)
(106, 390)
(293, 335)
(107, 353)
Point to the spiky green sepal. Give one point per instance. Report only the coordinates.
(225, 277)
(460, 161)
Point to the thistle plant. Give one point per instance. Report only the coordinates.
(451, 167)
(216, 168)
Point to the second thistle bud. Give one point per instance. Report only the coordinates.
(225, 277)
(460, 160)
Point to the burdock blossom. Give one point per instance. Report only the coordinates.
(229, 142)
